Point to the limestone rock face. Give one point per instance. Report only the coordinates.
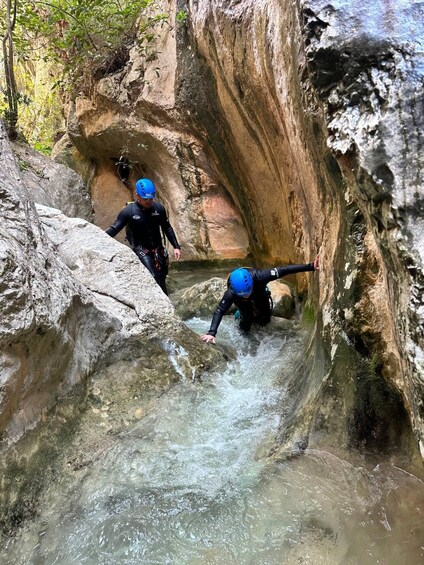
(48, 337)
(281, 129)
(282, 298)
(109, 270)
(223, 141)
(134, 114)
(365, 64)
(65, 153)
(200, 299)
(71, 300)
(53, 184)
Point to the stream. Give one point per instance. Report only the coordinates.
(190, 483)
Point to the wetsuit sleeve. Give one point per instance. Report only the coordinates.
(267, 275)
(221, 309)
(168, 230)
(120, 222)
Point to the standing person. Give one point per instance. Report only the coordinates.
(144, 219)
(248, 291)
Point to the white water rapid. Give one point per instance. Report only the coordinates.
(191, 484)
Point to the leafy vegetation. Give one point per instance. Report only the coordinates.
(181, 16)
(78, 40)
(41, 116)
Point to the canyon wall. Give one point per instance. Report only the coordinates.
(278, 129)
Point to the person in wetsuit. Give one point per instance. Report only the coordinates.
(248, 291)
(144, 219)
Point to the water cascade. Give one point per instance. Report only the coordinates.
(191, 483)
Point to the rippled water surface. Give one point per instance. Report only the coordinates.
(186, 485)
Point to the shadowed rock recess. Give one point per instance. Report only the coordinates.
(272, 130)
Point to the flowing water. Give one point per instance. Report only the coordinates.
(190, 484)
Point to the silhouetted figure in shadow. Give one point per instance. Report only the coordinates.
(123, 169)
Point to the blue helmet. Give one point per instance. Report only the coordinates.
(145, 188)
(240, 282)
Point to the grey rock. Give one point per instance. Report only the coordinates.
(72, 299)
(53, 184)
(200, 299)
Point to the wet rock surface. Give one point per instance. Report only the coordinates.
(200, 299)
(366, 65)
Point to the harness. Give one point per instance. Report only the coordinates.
(271, 303)
(160, 256)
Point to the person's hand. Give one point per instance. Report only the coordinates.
(316, 263)
(177, 254)
(208, 338)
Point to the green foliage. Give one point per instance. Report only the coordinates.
(308, 315)
(181, 16)
(42, 147)
(79, 40)
(23, 165)
(42, 117)
(84, 37)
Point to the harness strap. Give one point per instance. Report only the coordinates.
(159, 256)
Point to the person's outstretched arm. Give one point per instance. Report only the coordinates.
(268, 275)
(120, 222)
(221, 309)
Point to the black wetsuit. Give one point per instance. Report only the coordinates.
(143, 233)
(256, 308)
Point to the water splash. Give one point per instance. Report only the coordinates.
(185, 486)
